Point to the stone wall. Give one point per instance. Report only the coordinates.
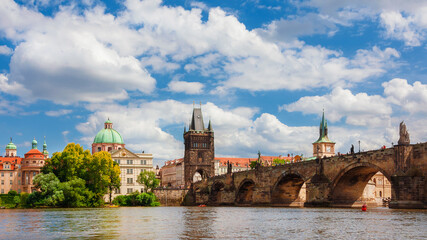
(171, 197)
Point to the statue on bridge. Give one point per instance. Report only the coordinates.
(352, 149)
(404, 135)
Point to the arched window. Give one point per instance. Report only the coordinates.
(99, 149)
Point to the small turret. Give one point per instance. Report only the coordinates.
(34, 144)
(10, 149)
(45, 152)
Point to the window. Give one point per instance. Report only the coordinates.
(129, 171)
(99, 149)
(380, 194)
(19, 174)
(11, 174)
(19, 191)
(144, 162)
(130, 180)
(117, 161)
(19, 182)
(34, 174)
(2, 191)
(2, 174)
(2, 182)
(11, 182)
(129, 161)
(117, 191)
(110, 148)
(129, 190)
(34, 161)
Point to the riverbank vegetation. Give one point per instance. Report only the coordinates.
(137, 199)
(147, 198)
(13, 200)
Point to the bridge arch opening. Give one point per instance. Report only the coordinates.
(245, 192)
(216, 192)
(199, 175)
(289, 191)
(366, 184)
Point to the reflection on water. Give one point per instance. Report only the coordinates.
(209, 222)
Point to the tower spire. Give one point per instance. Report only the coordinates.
(210, 126)
(45, 152)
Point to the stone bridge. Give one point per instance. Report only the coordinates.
(336, 181)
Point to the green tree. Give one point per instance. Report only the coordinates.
(68, 164)
(103, 175)
(50, 193)
(115, 181)
(16, 200)
(148, 180)
(12, 193)
(100, 175)
(253, 164)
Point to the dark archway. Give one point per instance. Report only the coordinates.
(353, 187)
(216, 192)
(288, 191)
(199, 175)
(245, 192)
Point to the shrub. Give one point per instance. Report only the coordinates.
(12, 193)
(137, 199)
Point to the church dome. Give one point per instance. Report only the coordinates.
(108, 135)
(10, 145)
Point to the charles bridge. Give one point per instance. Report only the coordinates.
(336, 181)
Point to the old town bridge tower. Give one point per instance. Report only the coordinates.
(199, 149)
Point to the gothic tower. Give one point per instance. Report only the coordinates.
(323, 147)
(199, 149)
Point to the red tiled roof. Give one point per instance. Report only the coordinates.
(239, 162)
(11, 160)
(34, 154)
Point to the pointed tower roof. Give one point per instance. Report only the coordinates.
(45, 152)
(210, 129)
(197, 123)
(323, 130)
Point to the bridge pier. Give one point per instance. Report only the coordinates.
(317, 192)
(409, 192)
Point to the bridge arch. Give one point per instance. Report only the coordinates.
(215, 196)
(349, 185)
(289, 190)
(199, 174)
(245, 192)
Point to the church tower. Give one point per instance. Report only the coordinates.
(323, 147)
(199, 149)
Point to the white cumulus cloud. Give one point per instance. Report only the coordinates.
(186, 87)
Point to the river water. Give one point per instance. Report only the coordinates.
(212, 222)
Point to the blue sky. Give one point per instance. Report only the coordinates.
(263, 71)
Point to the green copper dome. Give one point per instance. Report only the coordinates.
(11, 145)
(34, 144)
(108, 136)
